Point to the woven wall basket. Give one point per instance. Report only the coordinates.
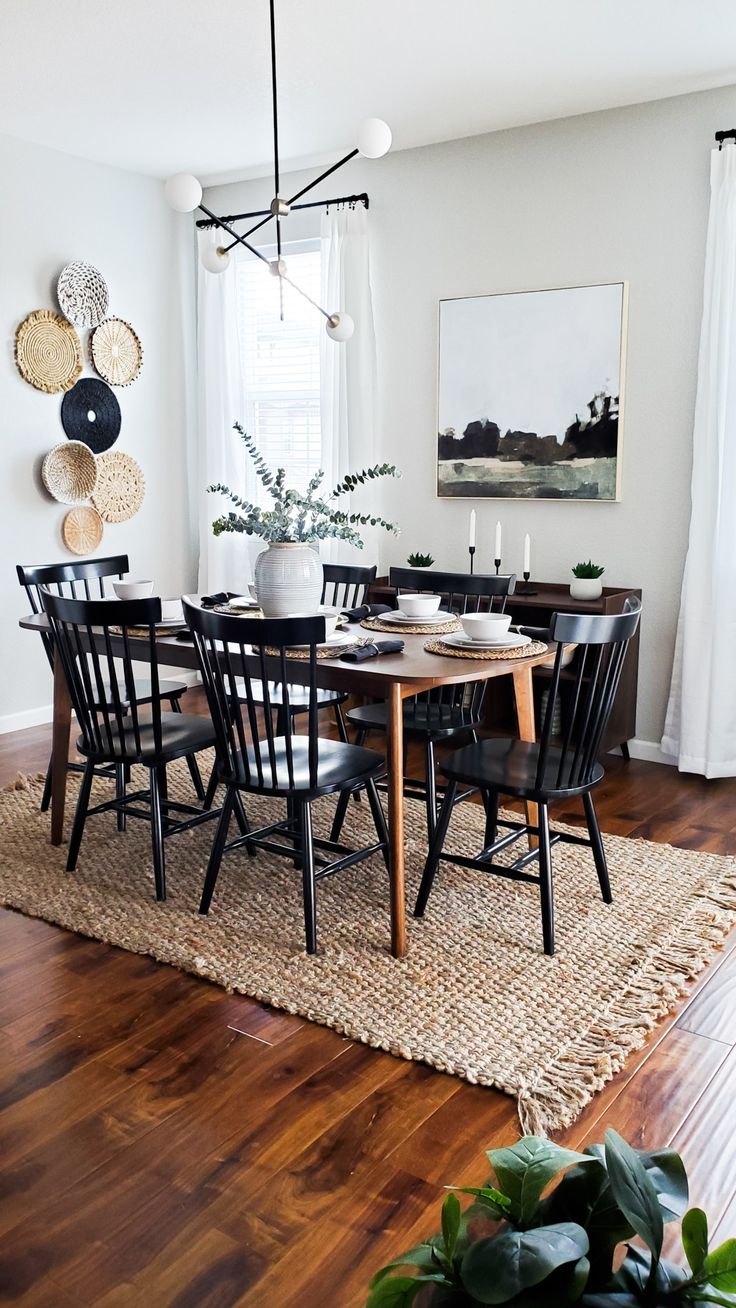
(83, 294)
(117, 353)
(48, 352)
(69, 472)
(120, 488)
(82, 529)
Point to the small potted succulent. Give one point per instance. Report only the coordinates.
(288, 574)
(587, 584)
(420, 560)
(528, 1244)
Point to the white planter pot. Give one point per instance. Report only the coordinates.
(288, 579)
(586, 588)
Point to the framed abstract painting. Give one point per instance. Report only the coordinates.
(530, 394)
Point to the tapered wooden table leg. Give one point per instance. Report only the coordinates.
(395, 761)
(59, 751)
(523, 691)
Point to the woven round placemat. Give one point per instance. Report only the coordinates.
(161, 630)
(116, 351)
(83, 294)
(48, 353)
(402, 628)
(69, 472)
(82, 529)
(452, 651)
(323, 651)
(120, 488)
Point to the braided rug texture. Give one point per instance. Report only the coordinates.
(474, 997)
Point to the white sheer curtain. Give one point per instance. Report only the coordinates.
(348, 371)
(224, 561)
(700, 728)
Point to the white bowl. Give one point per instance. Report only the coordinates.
(418, 606)
(485, 626)
(131, 590)
(171, 609)
(325, 611)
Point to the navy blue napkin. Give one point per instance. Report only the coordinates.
(372, 650)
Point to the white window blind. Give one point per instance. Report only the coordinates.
(280, 363)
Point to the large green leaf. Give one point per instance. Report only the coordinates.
(695, 1238)
(399, 1291)
(584, 1195)
(526, 1168)
(719, 1267)
(709, 1294)
(451, 1214)
(496, 1205)
(422, 1256)
(634, 1192)
(495, 1270)
(666, 1171)
(561, 1288)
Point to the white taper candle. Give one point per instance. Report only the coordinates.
(471, 538)
(527, 552)
(497, 555)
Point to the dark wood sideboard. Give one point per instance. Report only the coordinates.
(533, 606)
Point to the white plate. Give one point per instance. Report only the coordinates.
(403, 618)
(512, 641)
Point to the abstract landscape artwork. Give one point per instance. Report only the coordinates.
(530, 394)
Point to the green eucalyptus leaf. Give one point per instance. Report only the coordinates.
(719, 1267)
(695, 1238)
(497, 1269)
(634, 1192)
(451, 1214)
(526, 1168)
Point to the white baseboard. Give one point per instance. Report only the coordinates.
(650, 751)
(39, 717)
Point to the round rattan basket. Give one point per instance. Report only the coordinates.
(82, 530)
(117, 353)
(120, 488)
(48, 353)
(69, 472)
(83, 294)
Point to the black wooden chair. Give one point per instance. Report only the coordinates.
(344, 587)
(439, 715)
(92, 638)
(86, 579)
(253, 757)
(554, 768)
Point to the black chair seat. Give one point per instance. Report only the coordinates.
(421, 718)
(298, 696)
(339, 767)
(510, 766)
(181, 733)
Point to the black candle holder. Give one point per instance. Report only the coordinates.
(498, 565)
(526, 589)
(471, 552)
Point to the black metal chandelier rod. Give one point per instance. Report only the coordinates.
(730, 135)
(363, 198)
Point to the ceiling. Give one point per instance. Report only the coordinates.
(160, 86)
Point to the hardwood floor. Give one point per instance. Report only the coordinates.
(165, 1144)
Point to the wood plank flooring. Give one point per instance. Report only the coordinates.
(165, 1144)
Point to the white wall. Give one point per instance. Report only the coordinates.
(620, 195)
(56, 208)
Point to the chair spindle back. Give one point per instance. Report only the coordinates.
(82, 579)
(346, 586)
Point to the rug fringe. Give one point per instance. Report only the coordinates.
(553, 1100)
(24, 781)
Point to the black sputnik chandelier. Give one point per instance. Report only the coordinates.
(184, 193)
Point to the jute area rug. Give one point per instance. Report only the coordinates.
(474, 997)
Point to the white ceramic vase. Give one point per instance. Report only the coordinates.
(586, 588)
(288, 579)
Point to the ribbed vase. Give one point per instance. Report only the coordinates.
(288, 579)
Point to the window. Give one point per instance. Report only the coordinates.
(280, 362)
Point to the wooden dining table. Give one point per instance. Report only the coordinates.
(393, 677)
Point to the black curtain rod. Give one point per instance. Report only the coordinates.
(730, 135)
(312, 204)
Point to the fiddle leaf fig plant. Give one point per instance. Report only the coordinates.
(532, 1244)
(299, 516)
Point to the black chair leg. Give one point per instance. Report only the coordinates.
(491, 802)
(308, 883)
(46, 797)
(545, 881)
(342, 730)
(596, 844)
(157, 833)
(431, 789)
(435, 849)
(80, 817)
(379, 819)
(340, 814)
(241, 818)
(120, 793)
(218, 846)
(625, 752)
(211, 791)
